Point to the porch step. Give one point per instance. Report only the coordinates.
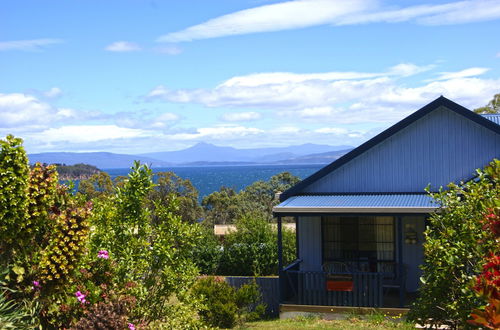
(336, 312)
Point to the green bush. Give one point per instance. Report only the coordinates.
(456, 243)
(226, 306)
(208, 252)
(252, 249)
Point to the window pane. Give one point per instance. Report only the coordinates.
(358, 238)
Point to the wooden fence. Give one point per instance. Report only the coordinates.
(269, 289)
(366, 291)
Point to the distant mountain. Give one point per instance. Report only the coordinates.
(201, 154)
(321, 158)
(99, 159)
(206, 152)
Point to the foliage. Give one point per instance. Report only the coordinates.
(260, 195)
(13, 195)
(221, 207)
(208, 252)
(456, 243)
(105, 315)
(252, 249)
(66, 245)
(226, 206)
(492, 107)
(12, 315)
(96, 185)
(149, 242)
(168, 184)
(487, 284)
(77, 171)
(225, 305)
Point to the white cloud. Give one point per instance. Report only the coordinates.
(465, 12)
(89, 133)
(286, 89)
(217, 133)
(336, 96)
(164, 120)
(241, 116)
(470, 72)
(19, 109)
(28, 45)
(274, 17)
(332, 130)
(305, 13)
(53, 92)
(123, 46)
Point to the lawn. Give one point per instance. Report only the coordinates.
(372, 322)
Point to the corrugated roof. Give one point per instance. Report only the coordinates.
(386, 203)
(489, 123)
(493, 117)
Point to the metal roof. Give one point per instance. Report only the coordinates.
(373, 203)
(489, 123)
(493, 117)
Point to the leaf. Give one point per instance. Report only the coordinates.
(18, 270)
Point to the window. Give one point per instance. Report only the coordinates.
(366, 242)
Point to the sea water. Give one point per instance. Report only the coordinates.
(207, 179)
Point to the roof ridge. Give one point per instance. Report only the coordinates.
(432, 106)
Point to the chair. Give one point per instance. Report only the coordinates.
(394, 278)
(338, 276)
(334, 267)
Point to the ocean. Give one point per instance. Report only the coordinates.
(208, 179)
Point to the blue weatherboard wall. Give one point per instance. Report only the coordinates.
(439, 148)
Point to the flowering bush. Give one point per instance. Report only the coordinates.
(487, 284)
(457, 241)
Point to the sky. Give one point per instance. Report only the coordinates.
(132, 76)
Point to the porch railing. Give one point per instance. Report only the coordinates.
(310, 288)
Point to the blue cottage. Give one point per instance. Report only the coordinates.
(360, 220)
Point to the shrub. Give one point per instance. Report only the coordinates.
(13, 196)
(487, 284)
(226, 306)
(105, 315)
(12, 315)
(208, 252)
(252, 249)
(455, 246)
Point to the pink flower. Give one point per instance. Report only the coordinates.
(36, 285)
(103, 254)
(81, 297)
(131, 326)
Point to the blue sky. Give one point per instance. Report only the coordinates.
(142, 76)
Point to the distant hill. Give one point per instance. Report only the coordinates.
(207, 152)
(321, 158)
(76, 172)
(99, 159)
(201, 154)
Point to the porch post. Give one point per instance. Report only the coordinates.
(280, 259)
(402, 277)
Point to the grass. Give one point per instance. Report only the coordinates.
(375, 321)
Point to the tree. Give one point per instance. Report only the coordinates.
(221, 207)
(252, 249)
(260, 195)
(454, 250)
(169, 184)
(226, 206)
(492, 107)
(98, 184)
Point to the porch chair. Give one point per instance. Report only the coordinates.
(394, 278)
(338, 276)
